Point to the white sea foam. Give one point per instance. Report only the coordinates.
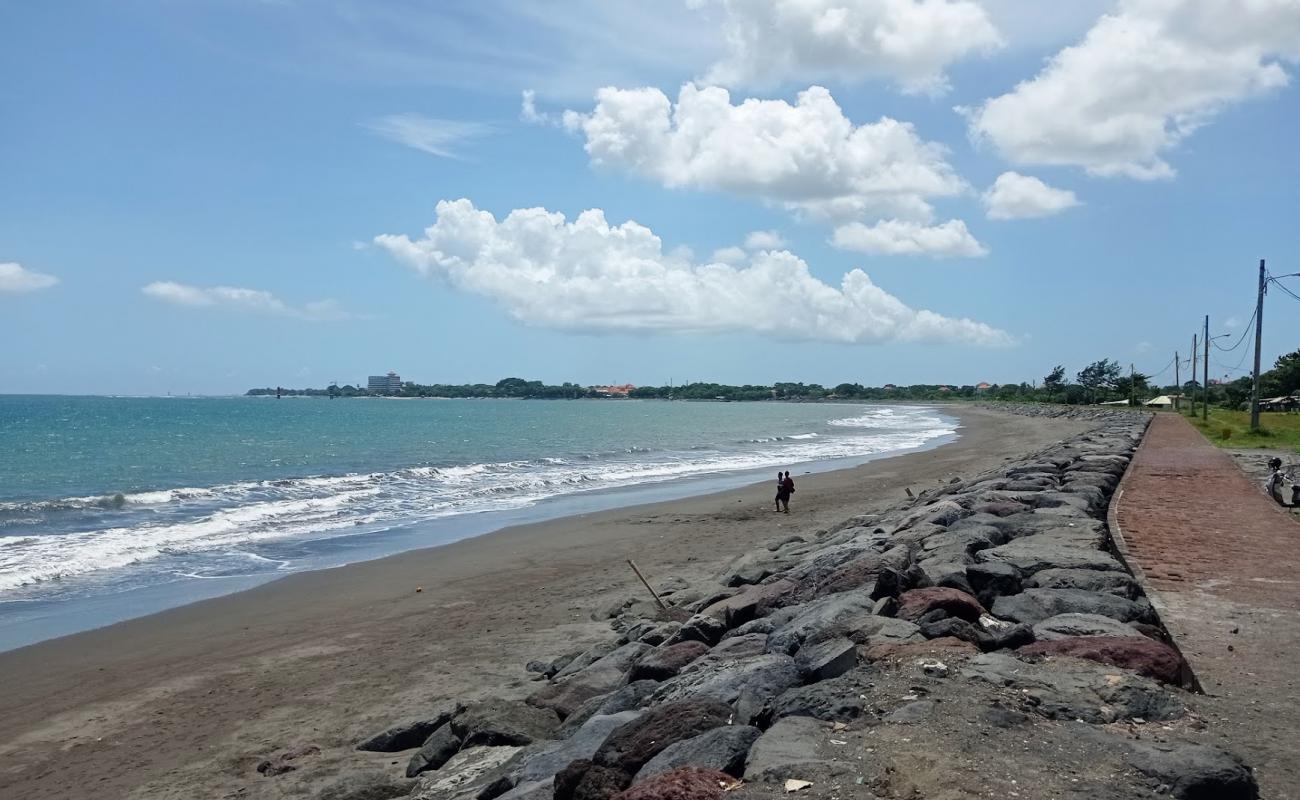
(186, 523)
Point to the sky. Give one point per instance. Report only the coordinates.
(211, 195)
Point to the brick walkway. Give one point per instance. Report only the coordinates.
(1221, 563)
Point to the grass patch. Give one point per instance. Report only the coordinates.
(1278, 431)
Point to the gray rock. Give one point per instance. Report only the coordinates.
(746, 685)
(530, 790)
(787, 749)
(586, 658)
(1064, 626)
(699, 628)
(1089, 580)
(664, 662)
(470, 769)
(872, 628)
(841, 699)
(820, 619)
(437, 750)
(1194, 771)
(585, 741)
(828, 658)
(499, 722)
(723, 749)
(752, 644)
(603, 675)
(992, 579)
(1076, 689)
(1032, 554)
(631, 697)
(1032, 606)
(411, 734)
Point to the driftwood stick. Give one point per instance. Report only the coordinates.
(646, 583)
(908, 489)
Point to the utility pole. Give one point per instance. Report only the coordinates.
(1132, 384)
(1259, 335)
(1194, 352)
(1205, 375)
(1178, 386)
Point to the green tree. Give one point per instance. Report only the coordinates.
(1099, 375)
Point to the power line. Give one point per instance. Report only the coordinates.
(1282, 286)
(1244, 332)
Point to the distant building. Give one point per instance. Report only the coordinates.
(945, 389)
(392, 382)
(889, 387)
(983, 387)
(620, 390)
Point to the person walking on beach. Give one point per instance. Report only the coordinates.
(784, 488)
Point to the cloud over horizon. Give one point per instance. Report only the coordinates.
(16, 279)
(911, 42)
(235, 298)
(1142, 80)
(588, 276)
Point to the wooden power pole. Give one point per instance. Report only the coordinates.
(1259, 335)
(1195, 350)
(1178, 386)
(1205, 376)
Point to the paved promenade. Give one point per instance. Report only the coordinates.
(1221, 563)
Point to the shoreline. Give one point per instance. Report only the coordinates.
(81, 615)
(185, 702)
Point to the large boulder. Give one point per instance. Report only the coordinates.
(364, 785)
(1144, 656)
(1089, 580)
(841, 699)
(682, 783)
(664, 662)
(1063, 626)
(437, 750)
(1074, 689)
(820, 619)
(916, 603)
(1194, 771)
(1035, 605)
(723, 749)
(412, 733)
(699, 628)
(583, 780)
(827, 658)
(746, 685)
(753, 601)
(1033, 554)
(633, 696)
(499, 722)
(599, 677)
(631, 746)
(788, 749)
(470, 770)
(544, 762)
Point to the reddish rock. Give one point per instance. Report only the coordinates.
(1144, 656)
(914, 604)
(664, 662)
(582, 780)
(754, 601)
(856, 573)
(628, 748)
(683, 783)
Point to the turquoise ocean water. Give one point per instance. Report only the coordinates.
(114, 507)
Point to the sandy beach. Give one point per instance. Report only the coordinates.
(186, 703)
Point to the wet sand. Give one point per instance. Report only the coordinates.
(187, 702)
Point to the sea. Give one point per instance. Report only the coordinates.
(116, 507)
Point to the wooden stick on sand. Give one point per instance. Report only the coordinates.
(646, 583)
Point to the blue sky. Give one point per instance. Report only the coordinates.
(209, 196)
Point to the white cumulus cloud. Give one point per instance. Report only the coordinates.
(1016, 196)
(239, 299)
(588, 275)
(1142, 80)
(15, 278)
(771, 42)
(896, 237)
(730, 255)
(764, 240)
(805, 157)
(438, 137)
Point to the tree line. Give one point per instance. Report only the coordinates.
(1101, 381)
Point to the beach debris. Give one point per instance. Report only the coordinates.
(935, 669)
(419, 589)
(658, 600)
(795, 784)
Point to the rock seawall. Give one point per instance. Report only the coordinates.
(980, 639)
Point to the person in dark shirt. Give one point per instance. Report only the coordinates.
(787, 489)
